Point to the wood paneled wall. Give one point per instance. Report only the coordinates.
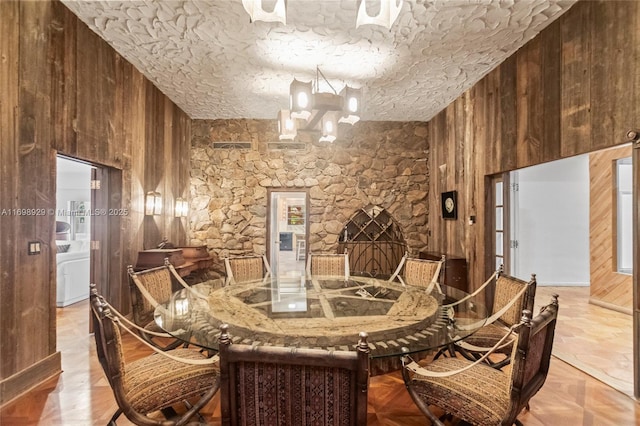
(572, 89)
(609, 288)
(64, 90)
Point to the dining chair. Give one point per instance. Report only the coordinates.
(148, 288)
(278, 386)
(246, 268)
(328, 264)
(479, 394)
(156, 382)
(418, 272)
(511, 296)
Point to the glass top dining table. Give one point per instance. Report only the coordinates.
(324, 312)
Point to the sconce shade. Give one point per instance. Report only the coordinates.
(182, 207)
(153, 203)
(256, 11)
(287, 127)
(388, 13)
(329, 127)
(352, 105)
(300, 99)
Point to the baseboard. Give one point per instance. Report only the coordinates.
(539, 284)
(14, 386)
(611, 306)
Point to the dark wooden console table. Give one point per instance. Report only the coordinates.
(185, 260)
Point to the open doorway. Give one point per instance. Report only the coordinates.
(287, 226)
(564, 220)
(73, 231)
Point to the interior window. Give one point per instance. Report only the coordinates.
(623, 216)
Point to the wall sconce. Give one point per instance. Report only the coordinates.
(182, 207)
(153, 203)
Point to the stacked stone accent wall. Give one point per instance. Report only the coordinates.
(371, 163)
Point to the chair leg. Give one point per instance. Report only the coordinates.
(112, 421)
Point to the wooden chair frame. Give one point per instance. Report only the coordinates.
(194, 370)
(530, 359)
(269, 363)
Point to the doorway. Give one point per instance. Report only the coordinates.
(287, 231)
(73, 230)
(561, 222)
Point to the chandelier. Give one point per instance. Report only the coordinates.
(318, 111)
(387, 14)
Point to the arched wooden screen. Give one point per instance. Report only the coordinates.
(374, 242)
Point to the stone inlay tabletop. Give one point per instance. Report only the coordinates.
(319, 312)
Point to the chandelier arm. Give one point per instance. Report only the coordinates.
(325, 79)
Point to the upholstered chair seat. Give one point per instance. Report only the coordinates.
(478, 393)
(155, 382)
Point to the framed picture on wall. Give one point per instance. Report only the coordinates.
(449, 205)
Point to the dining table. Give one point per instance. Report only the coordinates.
(324, 312)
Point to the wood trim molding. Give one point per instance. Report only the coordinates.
(18, 384)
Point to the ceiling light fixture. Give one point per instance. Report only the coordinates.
(256, 11)
(387, 14)
(321, 111)
(388, 11)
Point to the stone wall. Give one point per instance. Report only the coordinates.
(371, 163)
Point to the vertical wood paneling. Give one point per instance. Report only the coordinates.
(9, 101)
(614, 67)
(576, 75)
(134, 134)
(64, 78)
(559, 95)
(607, 286)
(538, 93)
(34, 303)
(64, 90)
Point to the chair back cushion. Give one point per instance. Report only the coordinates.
(418, 272)
(328, 264)
(247, 268)
(157, 283)
(266, 385)
(506, 289)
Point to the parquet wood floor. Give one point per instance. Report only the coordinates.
(81, 396)
(594, 339)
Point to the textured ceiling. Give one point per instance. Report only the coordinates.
(212, 62)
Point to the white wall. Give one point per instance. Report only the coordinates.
(73, 181)
(553, 222)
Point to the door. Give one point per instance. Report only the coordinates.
(287, 234)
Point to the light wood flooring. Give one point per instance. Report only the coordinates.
(596, 340)
(81, 396)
